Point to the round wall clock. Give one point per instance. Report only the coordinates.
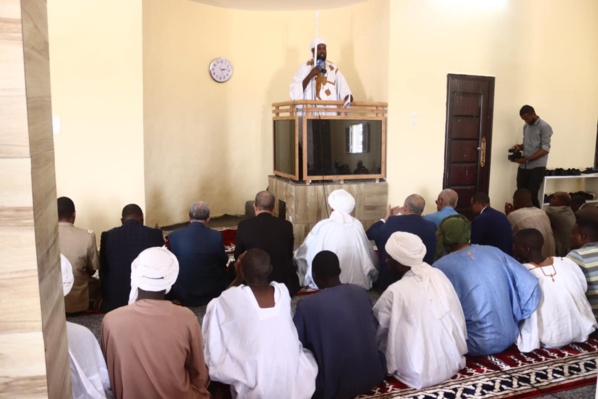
(221, 70)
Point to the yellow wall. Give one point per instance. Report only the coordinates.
(159, 126)
(211, 141)
(542, 53)
(96, 76)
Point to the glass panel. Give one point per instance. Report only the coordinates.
(284, 146)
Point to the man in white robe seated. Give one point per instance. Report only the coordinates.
(251, 342)
(344, 235)
(564, 314)
(422, 328)
(89, 374)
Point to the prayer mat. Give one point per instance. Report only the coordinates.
(510, 374)
(229, 238)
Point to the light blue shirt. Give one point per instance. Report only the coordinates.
(438, 217)
(496, 293)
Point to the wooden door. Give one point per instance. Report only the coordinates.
(468, 140)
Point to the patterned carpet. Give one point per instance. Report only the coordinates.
(510, 374)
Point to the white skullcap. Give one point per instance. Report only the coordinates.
(315, 42)
(155, 269)
(341, 201)
(67, 274)
(406, 248)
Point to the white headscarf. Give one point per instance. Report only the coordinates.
(315, 42)
(406, 248)
(67, 274)
(155, 269)
(342, 202)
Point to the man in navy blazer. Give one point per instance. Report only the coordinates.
(490, 227)
(118, 249)
(202, 259)
(273, 235)
(407, 218)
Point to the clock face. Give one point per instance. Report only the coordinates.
(221, 70)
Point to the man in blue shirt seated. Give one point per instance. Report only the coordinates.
(445, 205)
(337, 325)
(496, 291)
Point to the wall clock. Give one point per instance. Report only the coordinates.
(221, 70)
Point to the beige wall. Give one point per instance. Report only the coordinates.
(188, 138)
(96, 71)
(211, 141)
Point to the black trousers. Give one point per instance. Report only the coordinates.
(531, 179)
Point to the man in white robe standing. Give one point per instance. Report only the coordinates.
(322, 81)
(89, 374)
(344, 235)
(564, 314)
(251, 342)
(422, 328)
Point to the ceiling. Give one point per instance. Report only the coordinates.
(280, 5)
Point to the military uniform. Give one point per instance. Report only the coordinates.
(79, 247)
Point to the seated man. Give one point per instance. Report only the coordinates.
(490, 227)
(202, 259)
(79, 247)
(118, 249)
(343, 235)
(154, 348)
(407, 218)
(562, 220)
(584, 241)
(337, 325)
(89, 375)
(445, 204)
(496, 291)
(564, 314)
(251, 341)
(522, 214)
(273, 235)
(422, 329)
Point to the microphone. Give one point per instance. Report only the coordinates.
(320, 64)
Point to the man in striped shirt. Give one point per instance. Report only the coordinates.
(584, 238)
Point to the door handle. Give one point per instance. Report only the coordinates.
(482, 149)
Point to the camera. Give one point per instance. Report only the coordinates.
(514, 155)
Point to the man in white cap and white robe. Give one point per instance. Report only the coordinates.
(422, 328)
(344, 235)
(89, 375)
(152, 347)
(322, 81)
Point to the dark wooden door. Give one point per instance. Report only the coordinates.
(469, 109)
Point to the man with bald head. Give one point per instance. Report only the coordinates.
(251, 342)
(562, 220)
(423, 300)
(445, 206)
(522, 214)
(407, 218)
(496, 292)
(273, 235)
(118, 248)
(344, 235)
(152, 347)
(322, 81)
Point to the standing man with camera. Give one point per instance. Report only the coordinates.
(534, 152)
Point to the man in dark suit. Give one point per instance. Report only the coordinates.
(273, 235)
(118, 249)
(407, 218)
(202, 259)
(490, 227)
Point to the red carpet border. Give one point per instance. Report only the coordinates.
(510, 374)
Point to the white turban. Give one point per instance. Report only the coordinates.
(315, 42)
(67, 274)
(406, 248)
(155, 269)
(341, 201)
